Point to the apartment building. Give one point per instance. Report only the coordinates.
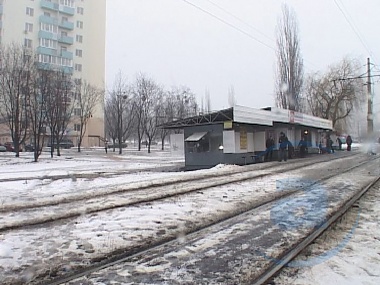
(69, 34)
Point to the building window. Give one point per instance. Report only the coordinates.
(29, 11)
(28, 27)
(28, 43)
(48, 43)
(65, 19)
(78, 81)
(47, 14)
(80, 10)
(49, 28)
(68, 3)
(77, 127)
(78, 67)
(79, 38)
(80, 24)
(78, 53)
(77, 111)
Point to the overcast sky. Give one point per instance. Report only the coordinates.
(176, 43)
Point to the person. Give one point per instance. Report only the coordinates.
(331, 145)
(302, 146)
(349, 142)
(328, 144)
(283, 144)
(106, 146)
(269, 144)
(339, 143)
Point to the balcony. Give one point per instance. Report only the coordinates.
(49, 66)
(66, 40)
(66, 25)
(47, 35)
(48, 20)
(49, 5)
(67, 10)
(67, 54)
(47, 51)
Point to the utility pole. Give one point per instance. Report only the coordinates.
(369, 95)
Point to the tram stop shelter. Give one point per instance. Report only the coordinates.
(237, 135)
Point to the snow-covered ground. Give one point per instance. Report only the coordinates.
(29, 251)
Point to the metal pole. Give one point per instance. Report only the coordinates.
(369, 96)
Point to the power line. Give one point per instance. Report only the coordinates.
(355, 30)
(233, 26)
(228, 24)
(240, 20)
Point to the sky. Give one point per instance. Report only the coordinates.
(215, 44)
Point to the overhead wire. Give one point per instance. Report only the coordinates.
(233, 26)
(240, 20)
(228, 24)
(354, 29)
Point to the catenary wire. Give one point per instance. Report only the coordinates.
(228, 24)
(233, 26)
(240, 20)
(355, 30)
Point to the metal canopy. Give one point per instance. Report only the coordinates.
(206, 119)
(195, 137)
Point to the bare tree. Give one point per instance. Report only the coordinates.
(289, 72)
(142, 89)
(231, 96)
(152, 112)
(87, 97)
(335, 94)
(119, 113)
(16, 65)
(59, 107)
(37, 109)
(207, 101)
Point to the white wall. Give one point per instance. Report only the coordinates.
(250, 142)
(177, 144)
(259, 141)
(229, 141)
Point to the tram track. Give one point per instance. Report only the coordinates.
(99, 192)
(121, 256)
(13, 217)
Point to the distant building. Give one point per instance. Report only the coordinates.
(65, 33)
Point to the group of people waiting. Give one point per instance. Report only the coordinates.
(284, 145)
(326, 145)
(286, 149)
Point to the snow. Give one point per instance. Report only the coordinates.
(29, 251)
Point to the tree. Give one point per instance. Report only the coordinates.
(153, 111)
(36, 107)
(87, 97)
(142, 88)
(59, 107)
(119, 113)
(16, 65)
(289, 72)
(335, 94)
(231, 96)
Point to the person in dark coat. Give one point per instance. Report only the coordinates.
(332, 145)
(349, 142)
(269, 144)
(339, 143)
(283, 145)
(302, 146)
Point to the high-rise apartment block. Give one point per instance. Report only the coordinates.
(64, 33)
